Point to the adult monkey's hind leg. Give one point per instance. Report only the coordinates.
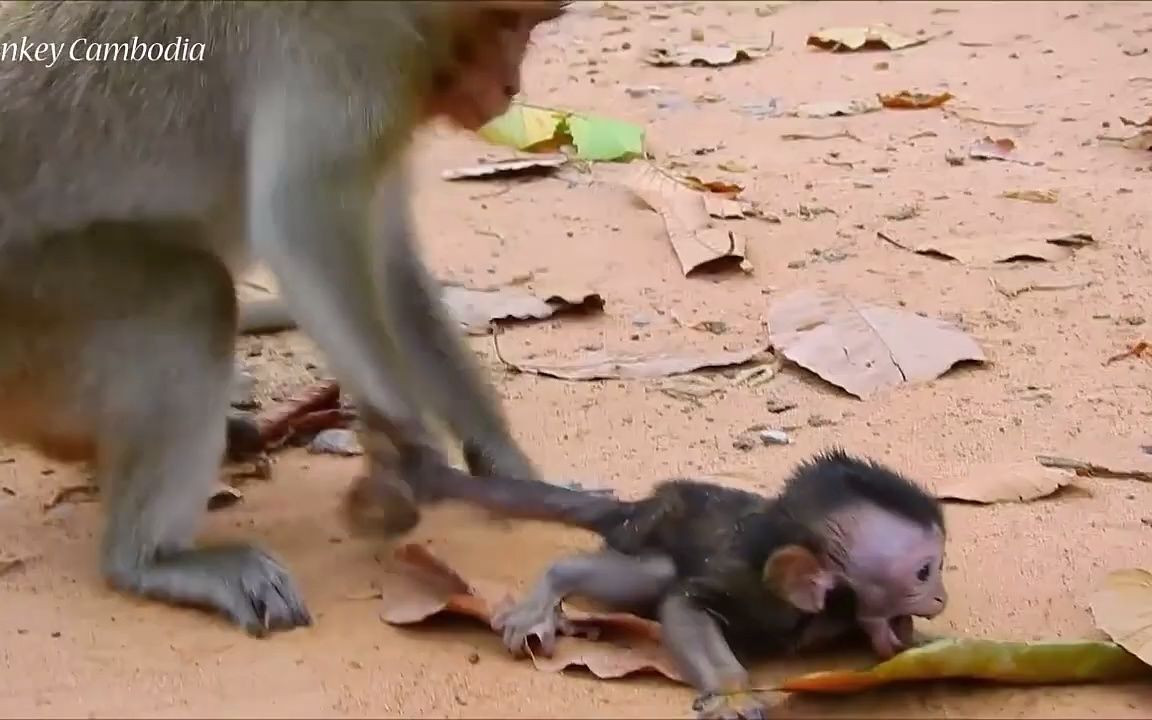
(120, 342)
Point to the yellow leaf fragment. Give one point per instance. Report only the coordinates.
(1046, 197)
(1051, 662)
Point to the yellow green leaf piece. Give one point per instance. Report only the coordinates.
(524, 127)
(536, 129)
(605, 139)
(1053, 662)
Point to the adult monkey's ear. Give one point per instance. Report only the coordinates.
(795, 574)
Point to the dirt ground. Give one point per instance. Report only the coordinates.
(1055, 76)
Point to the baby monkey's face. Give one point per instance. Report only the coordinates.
(894, 565)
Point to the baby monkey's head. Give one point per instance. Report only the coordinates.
(882, 535)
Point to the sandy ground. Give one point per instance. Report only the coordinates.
(1065, 70)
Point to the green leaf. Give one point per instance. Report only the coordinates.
(598, 138)
(1052, 662)
(537, 129)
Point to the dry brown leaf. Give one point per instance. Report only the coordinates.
(1137, 467)
(509, 167)
(836, 108)
(871, 37)
(905, 100)
(83, 493)
(725, 208)
(11, 563)
(427, 586)
(1141, 349)
(1140, 141)
(1122, 608)
(865, 348)
(702, 55)
(476, 310)
(988, 149)
(698, 243)
(224, 496)
(982, 250)
(722, 187)
(1014, 286)
(1047, 197)
(1005, 482)
(1137, 123)
(602, 365)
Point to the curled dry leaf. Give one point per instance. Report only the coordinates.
(509, 167)
(865, 348)
(475, 310)
(1141, 349)
(1137, 467)
(836, 108)
(224, 496)
(11, 563)
(1007, 482)
(871, 37)
(982, 250)
(726, 208)
(83, 493)
(905, 100)
(1140, 141)
(426, 586)
(1014, 286)
(606, 366)
(1001, 149)
(701, 55)
(1122, 608)
(698, 243)
(722, 187)
(1051, 662)
(1047, 197)
(988, 149)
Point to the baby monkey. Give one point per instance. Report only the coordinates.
(848, 544)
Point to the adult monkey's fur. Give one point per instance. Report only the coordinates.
(133, 194)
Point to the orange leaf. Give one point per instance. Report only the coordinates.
(905, 100)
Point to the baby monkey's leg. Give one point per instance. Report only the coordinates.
(610, 578)
(695, 641)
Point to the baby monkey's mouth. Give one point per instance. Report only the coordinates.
(902, 628)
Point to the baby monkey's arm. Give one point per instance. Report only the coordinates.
(620, 582)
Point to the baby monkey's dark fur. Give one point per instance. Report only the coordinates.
(720, 566)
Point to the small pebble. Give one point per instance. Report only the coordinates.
(336, 441)
(776, 405)
(774, 437)
(473, 658)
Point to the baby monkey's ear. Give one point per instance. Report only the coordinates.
(797, 575)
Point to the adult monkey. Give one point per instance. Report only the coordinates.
(134, 192)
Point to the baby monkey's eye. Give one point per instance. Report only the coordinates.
(924, 572)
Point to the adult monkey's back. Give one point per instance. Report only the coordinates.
(132, 193)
